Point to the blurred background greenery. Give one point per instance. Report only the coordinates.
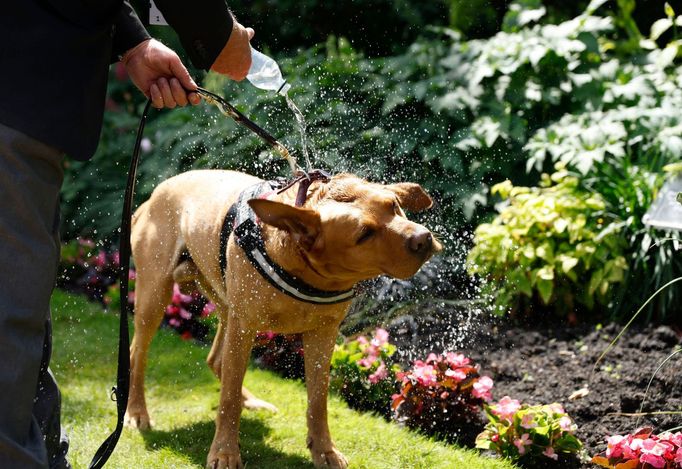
(458, 95)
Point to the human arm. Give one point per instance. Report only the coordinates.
(154, 68)
(212, 37)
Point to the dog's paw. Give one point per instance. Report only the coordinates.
(138, 419)
(224, 460)
(328, 458)
(258, 404)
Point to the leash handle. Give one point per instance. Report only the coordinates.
(123, 374)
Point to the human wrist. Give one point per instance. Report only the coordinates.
(130, 53)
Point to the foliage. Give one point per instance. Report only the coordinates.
(185, 314)
(528, 433)
(282, 353)
(447, 114)
(453, 114)
(441, 393)
(283, 25)
(362, 374)
(554, 243)
(88, 269)
(92, 271)
(642, 449)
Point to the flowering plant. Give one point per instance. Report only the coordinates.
(184, 312)
(441, 391)
(642, 450)
(85, 268)
(361, 373)
(282, 353)
(519, 431)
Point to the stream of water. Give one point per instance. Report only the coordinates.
(300, 120)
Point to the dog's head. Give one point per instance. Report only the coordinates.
(352, 230)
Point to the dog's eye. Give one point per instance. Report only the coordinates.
(365, 236)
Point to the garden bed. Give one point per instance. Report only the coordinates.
(544, 363)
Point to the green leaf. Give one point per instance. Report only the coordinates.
(545, 288)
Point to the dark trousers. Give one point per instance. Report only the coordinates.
(30, 179)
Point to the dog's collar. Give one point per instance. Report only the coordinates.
(243, 222)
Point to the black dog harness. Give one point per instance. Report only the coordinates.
(243, 222)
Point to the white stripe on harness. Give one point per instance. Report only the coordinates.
(291, 290)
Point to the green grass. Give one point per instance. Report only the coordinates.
(182, 395)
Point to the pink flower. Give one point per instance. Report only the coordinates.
(522, 442)
(566, 424)
(365, 362)
(179, 297)
(362, 340)
(380, 337)
(457, 375)
(132, 275)
(456, 359)
(549, 452)
(527, 421)
(184, 314)
(678, 456)
(208, 309)
(379, 374)
(506, 408)
(632, 447)
(557, 408)
(482, 388)
(652, 459)
(614, 446)
(101, 259)
(425, 374)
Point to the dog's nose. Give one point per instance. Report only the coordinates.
(420, 243)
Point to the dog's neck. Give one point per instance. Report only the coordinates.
(284, 251)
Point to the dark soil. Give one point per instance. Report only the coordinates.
(541, 364)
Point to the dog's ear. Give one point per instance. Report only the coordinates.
(302, 223)
(411, 196)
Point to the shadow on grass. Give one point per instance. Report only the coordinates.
(194, 441)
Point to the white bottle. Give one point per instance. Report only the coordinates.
(265, 74)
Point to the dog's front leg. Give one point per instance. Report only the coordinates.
(224, 452)
(318, 346)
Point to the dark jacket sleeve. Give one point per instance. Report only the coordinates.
(204, 26)
(128, 32)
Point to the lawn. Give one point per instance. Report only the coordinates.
(182, 395)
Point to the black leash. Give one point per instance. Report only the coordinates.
(120, 392)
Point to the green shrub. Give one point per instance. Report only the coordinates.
(362, 374)
(554, 243)
(529, 433)
(452, 114)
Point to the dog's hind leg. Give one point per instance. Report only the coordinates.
(214, 360)
(152, 293)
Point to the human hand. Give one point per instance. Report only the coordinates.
(234, 60)
(159, 73)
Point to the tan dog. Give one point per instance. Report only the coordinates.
(348, 230)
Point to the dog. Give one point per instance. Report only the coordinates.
(267, 265)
